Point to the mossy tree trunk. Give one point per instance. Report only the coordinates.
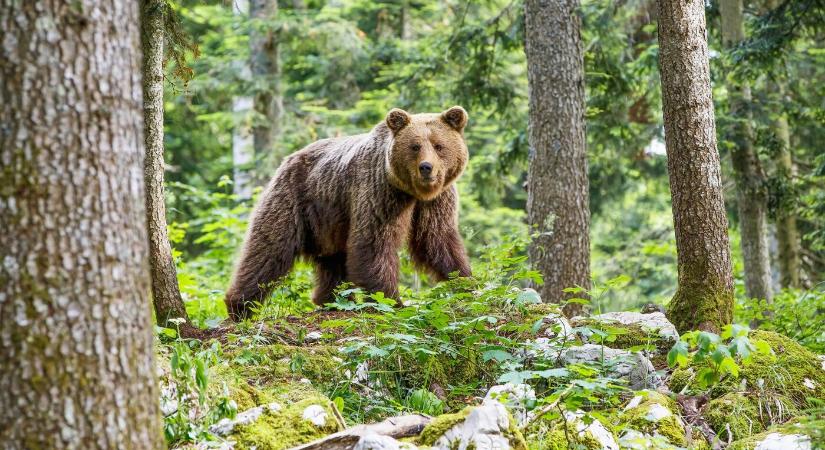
(76, 358)
(558, 208)
(266, 77)
(704, 297)
(751, 194)
(166, 296)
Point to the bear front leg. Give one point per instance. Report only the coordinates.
(329, 273)
(372, 259)
(435, 243)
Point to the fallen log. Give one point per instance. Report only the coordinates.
(395, 427)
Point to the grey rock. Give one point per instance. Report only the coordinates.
(631, 366)
(485, 428)
(515, 397)
(378, 442)
(226, 426)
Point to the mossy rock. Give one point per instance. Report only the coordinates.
(286, 428)
(654, 413)
(791, 371)
(745, 415)
(572, 432)
(471, 423)
(634, 331)
(790, 436)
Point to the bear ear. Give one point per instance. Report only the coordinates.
(455, 117)
(397, 119)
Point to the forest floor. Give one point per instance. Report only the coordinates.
(484, 366)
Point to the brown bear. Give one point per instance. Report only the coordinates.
(348, 204)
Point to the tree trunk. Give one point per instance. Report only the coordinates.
(704, 298)
(76, 358)
(557, 188)
(266, 77)
(787, 234)
(165, 292)
(243, 150)
(751, 194)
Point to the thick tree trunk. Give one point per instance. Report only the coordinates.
(787, 234)
(165, 292)
(266, 77)
(76, 359)
(557, 188)
(750, 178)
(704, 298)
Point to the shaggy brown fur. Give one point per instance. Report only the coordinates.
(348, 204)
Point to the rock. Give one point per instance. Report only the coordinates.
(226, 426)
(776, 441)
(654, 414)
(378, 442)
(485, 427)
(277, 427)
(516, 397)
(595, 430)
(315, 414)
(313, 337)
(631, 366)
(639, 329)
(636, 440)
(558, 328)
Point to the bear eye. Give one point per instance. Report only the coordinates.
(438, 147)
(416, 147)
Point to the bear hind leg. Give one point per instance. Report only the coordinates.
(330, 271)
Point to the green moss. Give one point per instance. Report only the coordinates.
(670, 426)
(547, 435)
(680, 378)
(277, 430)
(744, 415)
(749, 443)
(791, 372)
(441, 424)
(700, 305)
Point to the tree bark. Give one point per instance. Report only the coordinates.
(704, 298)
(76, 358)
(266, 77)
(243, 149)
(166, 296)
(557, 187)
(752, 200)
(787, 233)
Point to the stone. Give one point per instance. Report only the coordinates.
(654, 414)
(633, 367)
(313, 337)
(516, 397)
(315, 414)
(378, 442)
(595, 430)
(640, 329)
(225, 427)
(485, 427)
(778, 441)
(636, 440)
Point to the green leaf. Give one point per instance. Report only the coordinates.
(498, 355)
(728, 365)
(678, 354)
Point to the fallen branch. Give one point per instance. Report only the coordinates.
(395, 427)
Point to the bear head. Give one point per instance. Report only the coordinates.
(428, 151)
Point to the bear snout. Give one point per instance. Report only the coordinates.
(426, 169)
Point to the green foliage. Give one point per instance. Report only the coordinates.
(188, 381)
(793, 313)
(718, 356)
